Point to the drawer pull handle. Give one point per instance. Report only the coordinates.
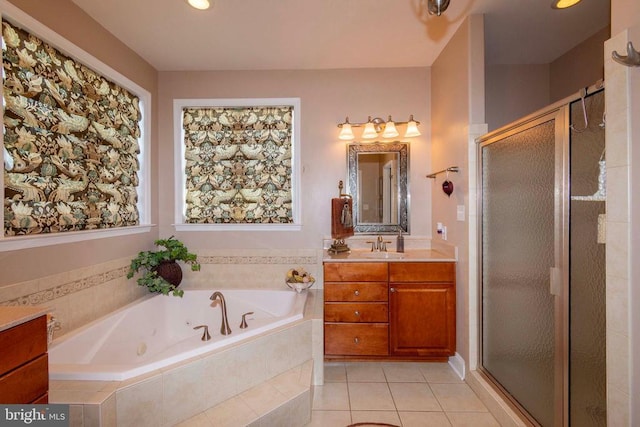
(357, 313)
(392, 289)
(356, 293)
(356, 340)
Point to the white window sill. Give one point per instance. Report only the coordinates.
(26, 242)
(238, 227)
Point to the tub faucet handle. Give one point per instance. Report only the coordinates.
(205, 334)
(243, 324)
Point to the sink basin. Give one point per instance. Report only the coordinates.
(383, 255)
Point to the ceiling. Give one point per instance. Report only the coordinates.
(322, 34)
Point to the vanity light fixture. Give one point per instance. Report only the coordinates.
(373, 126)
(199, 4)
(563, 4)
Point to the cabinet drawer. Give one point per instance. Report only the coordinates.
(355, 271)
(356, 339)
(356, 291)
(27, 383)
(422, 272)
(23, 343)
(356, 312)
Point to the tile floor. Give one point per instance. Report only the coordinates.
(404, 394)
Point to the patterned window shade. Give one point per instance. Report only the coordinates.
(73, 136)
(238, 165)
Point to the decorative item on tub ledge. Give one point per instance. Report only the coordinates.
(298, 279)
(161, 272)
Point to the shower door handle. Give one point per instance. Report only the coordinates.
(555, 282)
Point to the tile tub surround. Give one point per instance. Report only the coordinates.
(251, 268)
(168, 396)
(79, 296)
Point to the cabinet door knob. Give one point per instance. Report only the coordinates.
(357, 313)
(356, 293)
(356, 340)
(392, 289)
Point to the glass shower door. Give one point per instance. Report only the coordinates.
(522, 228)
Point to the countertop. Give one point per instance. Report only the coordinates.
(15, 315)
(411, 255)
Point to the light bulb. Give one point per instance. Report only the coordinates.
(346, 133)
(199, 4)
(412, 128)
(369, 131)
(390, 130)
(563, 4)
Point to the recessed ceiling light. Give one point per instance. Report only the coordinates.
(563, 4)
(199, 4)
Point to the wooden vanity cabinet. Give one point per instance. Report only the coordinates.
(356, 309)
(24, 368)
(422, 299)
(389, 310)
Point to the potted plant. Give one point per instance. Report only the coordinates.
(160, 271)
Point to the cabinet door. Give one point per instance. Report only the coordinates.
(422, 319)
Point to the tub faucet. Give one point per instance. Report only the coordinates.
(224, 328)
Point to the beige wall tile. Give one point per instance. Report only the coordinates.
(141, 405)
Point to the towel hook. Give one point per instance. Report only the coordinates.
(631, 60)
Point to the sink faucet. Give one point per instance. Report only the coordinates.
(380, 245)
(224, 328)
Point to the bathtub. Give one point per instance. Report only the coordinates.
(159, 331)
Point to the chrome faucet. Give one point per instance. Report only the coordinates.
(224, 328)
(380, 245)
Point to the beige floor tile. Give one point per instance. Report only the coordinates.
(457, 397)
(424, 419)
(414, 397)
(472, 419)
(331, 396)
(370, 396)
(335, 373)
(403, 373)
(439, 373)
(387, 417)
(370, 372)
(330, 418)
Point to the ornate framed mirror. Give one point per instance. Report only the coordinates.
(378, 182)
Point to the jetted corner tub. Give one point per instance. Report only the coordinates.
(159, 331)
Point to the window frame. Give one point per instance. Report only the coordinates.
(16, 15)
(180, 162)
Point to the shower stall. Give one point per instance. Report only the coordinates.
(542, 217)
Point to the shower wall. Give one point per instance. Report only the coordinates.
(587, 361)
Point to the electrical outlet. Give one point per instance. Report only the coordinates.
(444, 232)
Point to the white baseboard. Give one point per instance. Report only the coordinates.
(457, 364)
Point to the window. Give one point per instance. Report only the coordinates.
(74, 141)
(238, 164)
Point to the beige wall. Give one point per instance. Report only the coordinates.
(517, 90)
(624, 14)
(514, 91)
(457, 85)
(579, 67)
(326, 98)
(46, 267)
